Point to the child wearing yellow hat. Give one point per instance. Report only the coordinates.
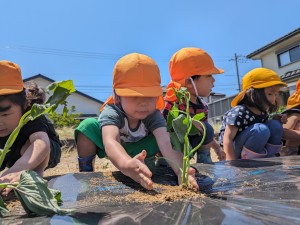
(37, 146)
(247, 132)
(130, 126)
(193, 68)
(291, 132)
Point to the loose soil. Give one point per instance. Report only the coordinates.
(69, 164)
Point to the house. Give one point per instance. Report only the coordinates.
(84, 104)
(282, 56)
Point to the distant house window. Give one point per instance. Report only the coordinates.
(289, 56)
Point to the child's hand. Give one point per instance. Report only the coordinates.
(137, 170)
(9, 178)
(192, 178)
(221, 155)
(280, 117)
(283, 118)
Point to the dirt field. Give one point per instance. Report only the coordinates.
(68, 163)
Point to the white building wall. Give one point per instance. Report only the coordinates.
(82, 104)
(270, 61)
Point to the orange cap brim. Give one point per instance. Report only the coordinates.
(213, 71)
(160, 104)
(6, 91)
(153, 91)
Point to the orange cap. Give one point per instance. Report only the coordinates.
(137, 75)
(257, 78)
(10, 78)
(188, 62)
(294, 99)
(191, 61)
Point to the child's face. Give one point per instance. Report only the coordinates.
(138, 108)
(10, 115)
(204, 85)
(272, 93)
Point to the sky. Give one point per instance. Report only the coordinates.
(82, 39)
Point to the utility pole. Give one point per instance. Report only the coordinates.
(236, 58)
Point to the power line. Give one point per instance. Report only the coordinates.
(238, 59)
(60, 52)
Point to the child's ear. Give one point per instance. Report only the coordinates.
(188, 84)
(116, 98)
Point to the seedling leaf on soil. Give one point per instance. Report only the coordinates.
(32, 191)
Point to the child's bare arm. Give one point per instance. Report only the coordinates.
(217, 149)
(174, 158)
(229, 135)
(35, 156)
(291, 128)
(134, 168)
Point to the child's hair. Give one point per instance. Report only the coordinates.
(195, 77)
(34, 94)
(31, 94)
(255, 97)
(18, 99)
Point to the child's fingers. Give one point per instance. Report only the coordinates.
(192, 171)
(143, 169)
(141, 156)
(146, 182)
(5, 191)
(193, 182)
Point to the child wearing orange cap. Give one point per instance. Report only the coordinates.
(291, 132)
(193, 68)
(247, 132)
(130, 126)
(37, 146)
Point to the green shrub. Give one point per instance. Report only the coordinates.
(65, 120)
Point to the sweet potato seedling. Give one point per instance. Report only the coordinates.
(180, 124)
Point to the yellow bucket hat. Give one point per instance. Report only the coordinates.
(257, 78)
(294, 99)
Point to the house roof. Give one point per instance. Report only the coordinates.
(276, 42)
(50, 80)
(290, 75)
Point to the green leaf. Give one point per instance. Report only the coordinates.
(65, 111)
(199, 116)
(36, 197)
(175, 142)
(61, 91)
(65, 84)
(193, 131)
(37, 110)
(3, 210)
(170, 118)
(175, 110)
(180, 127)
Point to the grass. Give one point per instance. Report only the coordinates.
(65, 133)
